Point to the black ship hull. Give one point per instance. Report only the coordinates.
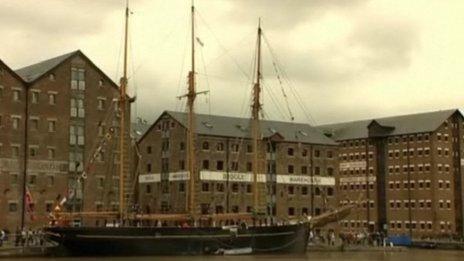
(137, 241)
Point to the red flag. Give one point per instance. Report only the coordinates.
(29, 203)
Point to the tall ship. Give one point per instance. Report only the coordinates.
(189, 233)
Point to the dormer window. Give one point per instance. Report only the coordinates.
(303, 133)
(205, 145)
(272, 130)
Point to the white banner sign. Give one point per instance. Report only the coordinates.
(178, 176)
(353, 165)
(233, 176)
(46, 166)
(357, 179)
(305, 180)
(241, 177)
(149, 178)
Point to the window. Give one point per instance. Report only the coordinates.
(219, 165)
(220, 146)
(317, 170)
(182, 187)
(234, 147)
(148, 168)
(234, 166)
(51, 77)
(13, 207)
(317, 153)
(290, 152)
(249, 166)
(249, 188)
(77, 79)
(291, 211)
(34, 124)
(182, 146)
(15, 151)
(50, 180)
(220, 187)
(32, 180)
(205, 164)
(249, 148)
(101, 104)
(77, 108)
(290, 169)
(330, 191)
(304, 190)
(235, 187)
(52, 98)
(329, 154)
(13, 179)
(148, 149)
(182, 164)
(100, 182)
(51, 125)
(15, 122)
(51, 153)
(205, 145)
(291, 190)
(330, 171)
(34, 97)
(148, 189)
(33, 151)
(16, 95)
(304, 153)
(205, 186)
(304, 169)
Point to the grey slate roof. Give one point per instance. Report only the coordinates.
(404, 124)
(240, 127)
(138, 129)
(33, 72)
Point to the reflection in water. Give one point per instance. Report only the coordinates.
(409, 255)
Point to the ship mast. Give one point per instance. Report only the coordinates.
(191, 95)
(122, 123)
(256, 107)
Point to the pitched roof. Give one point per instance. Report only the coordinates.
(33, 72)
(138, 129)
(13, 73)
(226, 126)
(403, 124)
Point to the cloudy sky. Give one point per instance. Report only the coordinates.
(337, 60)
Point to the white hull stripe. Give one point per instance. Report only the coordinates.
(185, 236)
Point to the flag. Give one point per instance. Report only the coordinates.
(29, 203)
(200, 42)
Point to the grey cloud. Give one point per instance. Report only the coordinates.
(385, 44)
(282, 14)
(57, 18)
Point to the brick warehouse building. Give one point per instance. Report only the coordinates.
(295, 153)
(414, 173)
(71, 104)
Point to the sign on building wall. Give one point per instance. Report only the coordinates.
(305, 180)
(149, 178)
(353, 165)
(241, 177)
(35, 166)
(357, 179)
(233, 176)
